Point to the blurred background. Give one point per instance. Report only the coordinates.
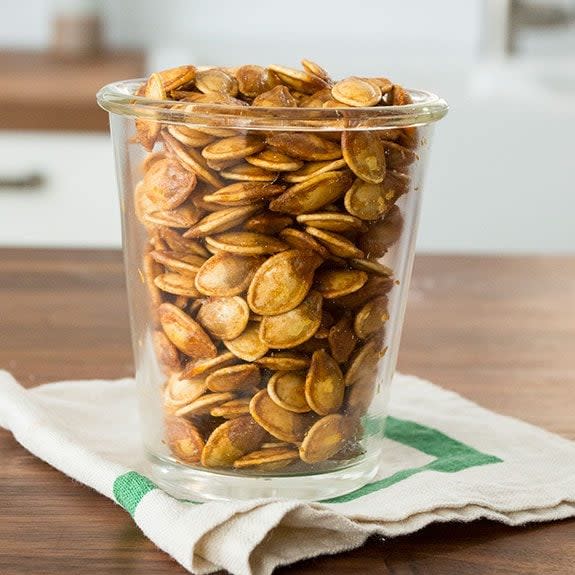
(502, 170)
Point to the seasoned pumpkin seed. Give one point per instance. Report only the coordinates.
(204, 404)
(177, 243)
(337, 283)
(177, 284)
(287, 389)
(270, 459)
(368, 201)
(364, 363)
(354, 91)
(299, 80)
(246, 243)
(381, 235)
(234, 148)
(179, 262)
(147, 131)
(180, 392)
(216, 80)
(337, 244)
(244, 193)
(325, 438)
(300, 240)
(190, 137)
(304, 146)
(204, 366)
(331, 221)
(248, 346)
(310, 169)
(183, 216)
(324, 384)
(254, 80)
(168, 184)
(278, 97)
(284, 361)
(221, 221)
(245, 172)
(267, 223)
(371, 317)
(184, 440)
(234, 378)
(342, 339)
(288, 329)
(375, 286)
(364, 153)
(274, 160)
(232, 409)
(224, 317)
(166, 351)
(282, 282)
(371, 266)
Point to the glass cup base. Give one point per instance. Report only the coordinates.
(186, 483)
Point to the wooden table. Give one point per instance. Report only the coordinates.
(499, 330)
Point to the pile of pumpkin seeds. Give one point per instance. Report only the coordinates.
(267, 292)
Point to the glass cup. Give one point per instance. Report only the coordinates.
(268, 253)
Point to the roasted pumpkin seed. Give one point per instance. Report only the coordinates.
(168, 184)
(177, 284)
(354, 91)
(278, 97)
(267, 223)
(371, 266)
(245, 172)
(324, 384)
(270, 459)
(147, 131)
(232, 409)
(204, 366)
(190, 137)
(371, 318)
(254, 80)
(284, 361)
(337, 283)
(324, 439)
(273, 160)
(166, 351)
(179, 262)
(184, 440)
(381, 235)
(331, 221)
(246, 243)
(234, 378)
(220, 221)
(183, 216)
(177, 243)
(180, 392)
(244, 193)
(234, 148)
(248, 346)
(299, 80)
(342, 339)
(204, 404)
(310, 169)
(304, 146)
(287, 389)
(368, 201)
(224, 317)
(302, 241)
(216, 80)
(364, 153)
(375, 286)
(337, 244)
(364, 363)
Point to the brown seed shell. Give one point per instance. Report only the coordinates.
(216, 80)
(267, 223)
(364, 153)
(168, 184)
(331, 221)
(231, 440)
(368, 201)
(342, 339)
(310, 169)
(234, 378)
(284, 361)
(288, 329)
(313, 194)
(372, 267)
(315, 69)
(337, 283)
(176, 78)
(305, 146)
(234, 148)
(371, 318)
(248, 346)
(254, 80)
(147, 131)
(246, 172)
(274, 160)
(300, 240)
(226, 274)
(189, 136)
(177, 284)
(287, 389)
(185, 333)
(374, 287)
(337, 244)
(150, 270)
(204, 404)
(166, 351)
(381, 235)
(183, 216)
(279, 422)
(354, 91)
(325, 438)
(398, 157)
(179, 262)
(244, 193)
(232, 409)
(324, 384)
(224, 317)
(299, 80)
(246, 243)
(178, 243)
(221, 221)
(363, 365)
(184, 440)
(204, 366)
(278, 97)
(270, 459)
(180, 392)
(282, 282)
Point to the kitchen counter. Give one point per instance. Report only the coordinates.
(499, 330)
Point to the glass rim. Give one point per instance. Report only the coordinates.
(120, 98)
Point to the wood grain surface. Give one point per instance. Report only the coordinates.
(499, 330)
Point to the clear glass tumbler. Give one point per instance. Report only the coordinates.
(268, 252)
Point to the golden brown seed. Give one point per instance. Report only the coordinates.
(381, 235)
(180, 392)
(151, 159)
(302, 241)
(166, 351)
(371, 318)
(204, 404)
(337, 244)
(204, 366)
(246, 243)
(368, 201)
(287, 389)
(271, 159)
(267, 223)
(234, 378)
(178, 243)
(371, 266)
(299, 80)
(310, 169)
(183, 216)
(192, 160)
(245, 172)
(224, 317)
(364, 363)
(337, 283)
(304, 146)
(364, 153)
(398, 157)
(282, 282)
(179, 262)
(183, 439)
(185, 333)
(270, 459)
(281, 423)
(324, 384)
(254, 80)
(342, 339)
(221, 221)
(168, 184)
(219, 165)
(234, 148)
(316, 100)
(331, 221)
(150, 270)
(232, 409)
(248, 346)
(354, 91)
(374, 287)
(147, 131)
(244, 193)
(398, 96)
(177, 284)
(325, 438)
(216, 80)
(176, 78)
(232, 440)
(293, 327)
(189, 136)
(226, 274)
(284, 361)
(314, 193)
(384, 84)
(278, 97)
(315, 69)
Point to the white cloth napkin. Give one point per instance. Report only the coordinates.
(446, 459)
